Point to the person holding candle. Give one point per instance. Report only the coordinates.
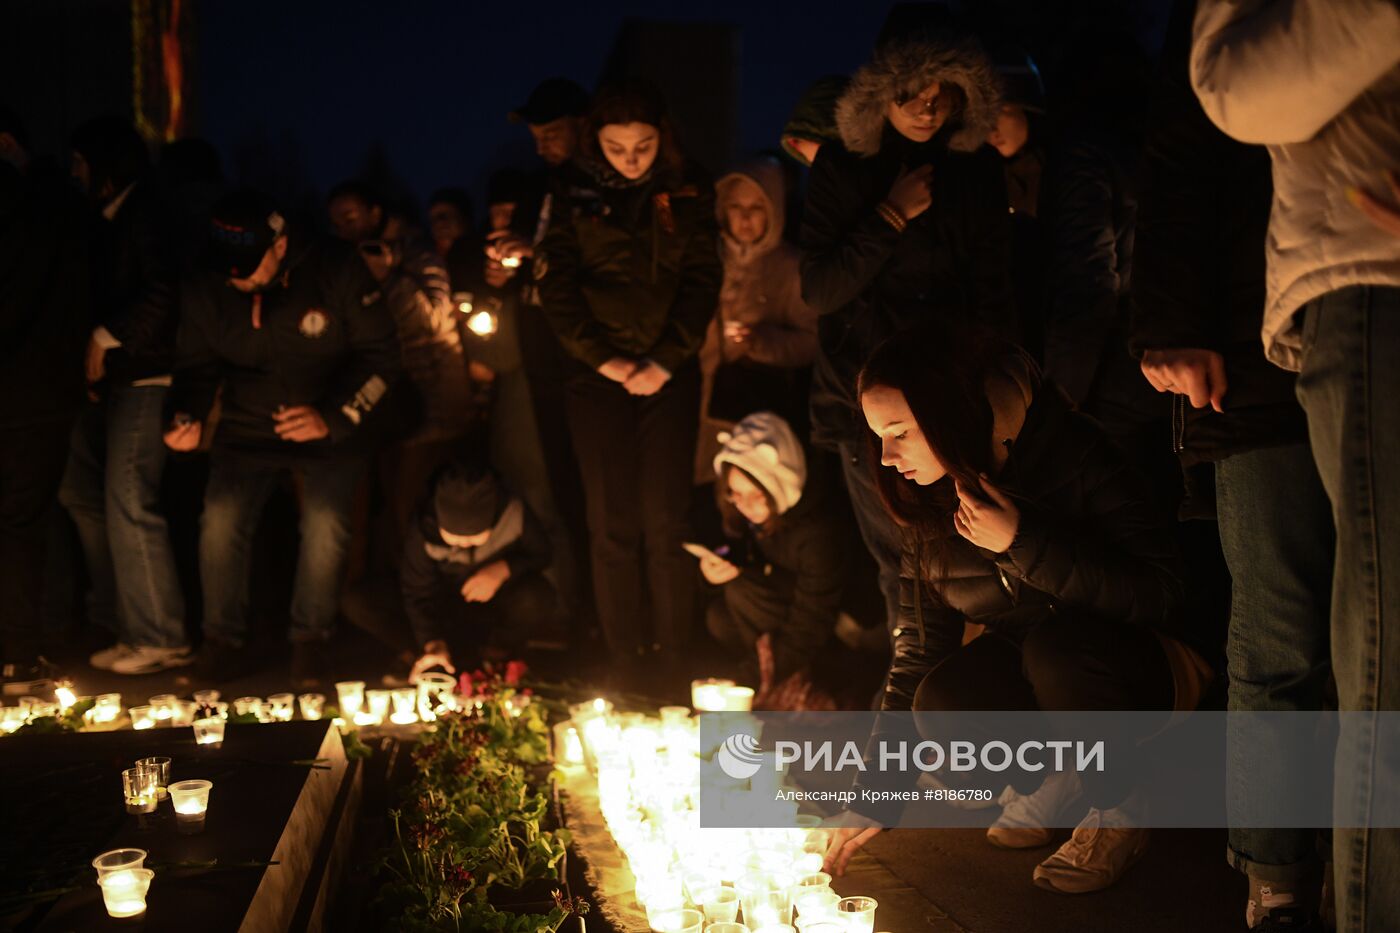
(629, 279)
(471, 574)
(1020, 515)
(294, 336)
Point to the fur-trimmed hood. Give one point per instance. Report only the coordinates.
(907, 67)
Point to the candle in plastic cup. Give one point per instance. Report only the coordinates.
(118, 860)
(678, 921)
(124, 892)
(142, 717)
(726, 927)
(185, 712)
(163, 705)
(209, 731)
(815, 902)
(311, 705)
(775, 928)
(191, 801)
(708, 695)
(350, 694)
(280, 705)
(139, 790)
(720, 904)
(858, 913)
(378, 704)
(405, 699)
(159, 771)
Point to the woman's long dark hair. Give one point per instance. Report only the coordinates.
(943, 371)
(632, 100)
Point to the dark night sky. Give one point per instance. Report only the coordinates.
(322, 82)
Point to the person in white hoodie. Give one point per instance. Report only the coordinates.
(1318, 82)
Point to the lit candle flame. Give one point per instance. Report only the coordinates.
(66, 696)
(482, 323)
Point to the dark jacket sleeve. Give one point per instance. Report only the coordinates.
(697, 294)
(816, 600)
(374, 362)
(144, 322)
(198, 367)
(559, 274)
(844, 243)
(927, 633)
(1083, 260)
(533, 552)
(1117, 559)
(421, 584)
(989, 235)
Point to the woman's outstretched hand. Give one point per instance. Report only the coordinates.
(986, 517)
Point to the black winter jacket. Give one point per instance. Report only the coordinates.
(135, 286)
(808, 556)
(1090, 541)
(432, 570)
(1202, 222)
(45, 255)
(631, 271)
(867, 281)
(320, 335)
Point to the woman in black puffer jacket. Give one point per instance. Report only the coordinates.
(629, 277)
(1019, 515)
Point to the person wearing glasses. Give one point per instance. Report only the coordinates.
(906, 220)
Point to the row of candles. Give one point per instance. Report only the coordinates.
(690, 878)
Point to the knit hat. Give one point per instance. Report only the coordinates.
(466, 500)
(764, 446)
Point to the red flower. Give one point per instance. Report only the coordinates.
(514, 671)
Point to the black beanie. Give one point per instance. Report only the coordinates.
(466, 500)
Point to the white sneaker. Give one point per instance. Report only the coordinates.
(1026, 819)
(1104, 845)
(147, 660)
(104, 659)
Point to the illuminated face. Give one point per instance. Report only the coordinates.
(630, 147)
(353, 219)
(806, 148)
(1012, 131)
(748, 497)
(446, 223)
(919, 117)
(476, 540)
(746, 212)
(556, 141)
(267, 269)
(501, 214)
(902, 445)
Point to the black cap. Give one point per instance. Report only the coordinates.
(466, 500)
(552, 99)
(242, 226)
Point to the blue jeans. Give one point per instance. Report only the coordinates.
(1350, 389)
(1276, 532)
(233, 503)
(111, 488)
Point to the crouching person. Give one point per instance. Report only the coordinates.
(293, 335)
(473, 570)
(782, 579)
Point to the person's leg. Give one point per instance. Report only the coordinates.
(1276, 531)
(518, 609)
(1078, 663)
(1350, 388)
(233, 502)
(666, 444)
(603, 425)
(877, 529)
(374, 605)
(328, 493)
(83, 494)
(31, 464)
(152, 604)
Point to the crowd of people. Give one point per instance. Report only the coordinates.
(1094, 382)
